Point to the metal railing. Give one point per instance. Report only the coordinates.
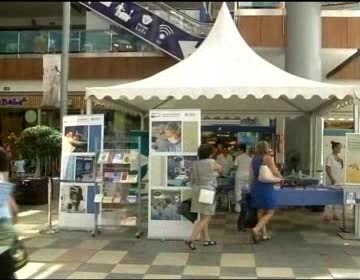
(81, 41)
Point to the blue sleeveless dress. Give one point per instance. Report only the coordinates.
(262, 194)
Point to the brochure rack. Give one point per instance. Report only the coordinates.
(118, 195)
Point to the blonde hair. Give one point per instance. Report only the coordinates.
(262, 148)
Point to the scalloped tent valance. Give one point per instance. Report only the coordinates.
(223, 76)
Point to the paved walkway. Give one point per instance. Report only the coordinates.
(301, 247)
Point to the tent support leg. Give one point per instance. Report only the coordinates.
(312, 144)
(142, 122)
(88, 106)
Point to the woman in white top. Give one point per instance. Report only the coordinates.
(242, 164)
(334, 170)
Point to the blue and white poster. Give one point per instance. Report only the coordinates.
(82, 138)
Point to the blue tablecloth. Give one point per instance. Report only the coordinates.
(308, 196)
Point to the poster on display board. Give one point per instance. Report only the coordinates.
(82, 139)
(175, 136)
(335, 131)
(352, 159)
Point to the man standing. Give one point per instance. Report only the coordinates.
(242, 164)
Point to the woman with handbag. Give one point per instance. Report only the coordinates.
(8, 210)
(203, 182)
(263, 175)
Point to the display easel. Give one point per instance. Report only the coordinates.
(115, 172)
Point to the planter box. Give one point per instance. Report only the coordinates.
(32, 191)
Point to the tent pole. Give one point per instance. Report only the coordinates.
(311, 158)
(88, 106)
(356, 130)
(142, 122)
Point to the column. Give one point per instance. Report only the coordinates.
(303, 51)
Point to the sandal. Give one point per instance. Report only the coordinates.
(209, 243)
(190, 244)
(266, 237)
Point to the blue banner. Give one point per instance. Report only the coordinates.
(148, 26)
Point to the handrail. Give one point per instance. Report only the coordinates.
(82, 41)
(177, 18)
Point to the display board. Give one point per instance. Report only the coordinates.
(82, 138)
(352, 159)
(174, 138)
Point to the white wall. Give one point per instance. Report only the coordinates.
(95, 22)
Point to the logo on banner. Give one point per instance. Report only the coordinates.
(107, 4)
(141, 27)
(122, 14)
(146, 19)
(165, 31)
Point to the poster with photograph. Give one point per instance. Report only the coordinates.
(164, 205)
(82, 140)
(179, 170)
(51, 80)
(79, 168)
(175, 136)
(352, 159)
(166, 137)
(174, 131)
(73, 198)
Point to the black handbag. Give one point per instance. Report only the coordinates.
(13, 259)
(184, 209)
(248, 215)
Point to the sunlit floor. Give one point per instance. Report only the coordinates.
(301, 247)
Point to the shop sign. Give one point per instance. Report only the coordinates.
(13, 101)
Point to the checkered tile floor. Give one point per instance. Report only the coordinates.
(301, 247)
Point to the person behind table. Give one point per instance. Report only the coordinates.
(334, 169)
(242, 164)
(229, 161)
(173, 134)
(8, 210)
(262, 194)
(205, 171)
(220, 157)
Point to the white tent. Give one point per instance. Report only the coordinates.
(223, 77)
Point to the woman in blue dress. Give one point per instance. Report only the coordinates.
(262, 194)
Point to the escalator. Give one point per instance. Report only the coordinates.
(157, 23)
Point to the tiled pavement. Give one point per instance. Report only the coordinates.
(301, 247)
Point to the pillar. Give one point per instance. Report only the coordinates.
(65, 61)
(303, 56)
(303, 51)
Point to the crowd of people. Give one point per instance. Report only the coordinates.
(246, 164)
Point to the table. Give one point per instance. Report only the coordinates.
(308, 196)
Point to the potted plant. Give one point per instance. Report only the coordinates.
(38, 143)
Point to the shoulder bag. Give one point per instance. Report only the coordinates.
(206, 196)
(266, 175)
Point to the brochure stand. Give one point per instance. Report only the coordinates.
(118, 186)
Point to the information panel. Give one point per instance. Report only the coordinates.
(81, 140)
(352, 159)
(175, 136)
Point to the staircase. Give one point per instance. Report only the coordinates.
(157, 23)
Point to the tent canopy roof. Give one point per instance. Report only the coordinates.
(223, 75)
